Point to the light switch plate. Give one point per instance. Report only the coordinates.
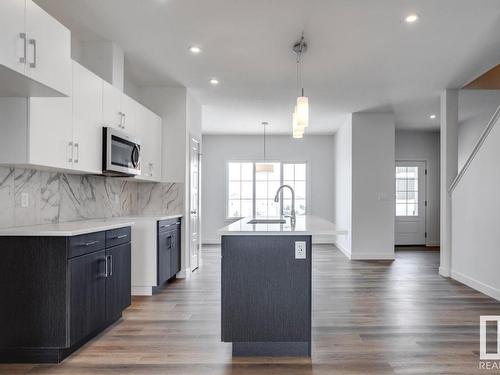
(25, 200)
(300, 249)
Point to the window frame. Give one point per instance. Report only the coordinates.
(256, 161)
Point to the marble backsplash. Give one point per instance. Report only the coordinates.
(58, 197)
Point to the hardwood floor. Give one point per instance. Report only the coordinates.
(374, 317)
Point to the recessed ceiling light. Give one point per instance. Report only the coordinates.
(411, 18)
(194, 49)
(432, 117)
(214, 81)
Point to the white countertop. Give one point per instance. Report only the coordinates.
(305, 225)
(72, 228)
(149, 217)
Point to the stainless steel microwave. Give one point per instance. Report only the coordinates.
(121, 153)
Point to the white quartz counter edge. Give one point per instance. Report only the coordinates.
(150, 217)
(73, 228)
(305, 225)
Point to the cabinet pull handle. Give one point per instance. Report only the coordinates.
(164, 226)
(77, 149)
(178, 223)
(23, 37)
(124, 120)
(106, 273)
(70, 147)
(121, 120)
(110, 265)
(119, 237)
(33, 43)
(91, 243)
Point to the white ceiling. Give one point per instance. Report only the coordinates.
(361, 56)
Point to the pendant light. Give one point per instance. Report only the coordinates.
(264, 167)
(300, 117)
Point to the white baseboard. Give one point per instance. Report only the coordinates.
(445, 272)
(184, 274)
(344, 251)
(476, 284)
(142, 291)
(370, 256)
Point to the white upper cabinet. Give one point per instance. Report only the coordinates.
(119, 110)
(149, 132)
(51, 132)
(48, 51)
(12, 35)
(112, 115)
(87, 120)
(35, 51)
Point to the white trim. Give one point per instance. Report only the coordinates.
(445, 272)
(480, 141)
(476, 284)
(370, 256)
(343, 250)
(141, 291)
(432, 244)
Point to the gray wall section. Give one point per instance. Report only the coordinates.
(316, 150)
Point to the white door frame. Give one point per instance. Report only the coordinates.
(194, 265)
(425, 191)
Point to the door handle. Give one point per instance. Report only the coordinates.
(33, 43)
(23, 37)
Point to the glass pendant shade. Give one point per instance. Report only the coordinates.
(264, 168)
(302, 111)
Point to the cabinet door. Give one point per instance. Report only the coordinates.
(129, 108)
(51, 116)
(111, 106)
(87, 295)
(11, 41)
(175, 263)
(48, 49)
(87, 120)
(165, 243)
(118, 282)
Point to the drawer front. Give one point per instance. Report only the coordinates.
(117, 237)
(168, 225)
(86, 243)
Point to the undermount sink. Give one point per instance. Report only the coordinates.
(267, 221)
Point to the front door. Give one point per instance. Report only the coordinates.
(194, 206)
(410, 202)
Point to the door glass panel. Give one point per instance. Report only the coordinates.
(407, 191)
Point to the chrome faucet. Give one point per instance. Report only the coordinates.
(277, 199)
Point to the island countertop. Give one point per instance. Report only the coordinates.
(305, 225)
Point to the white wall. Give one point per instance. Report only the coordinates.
(424, 145)
(317, 150)
(475, 255)
(476, 108)
(343, 184)
(373, 187)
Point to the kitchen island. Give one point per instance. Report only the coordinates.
(266, 284)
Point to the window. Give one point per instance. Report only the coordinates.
(406, 191)
(252, 194)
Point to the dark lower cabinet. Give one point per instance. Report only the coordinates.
(59, 292)
(87, 306)
(169, 249)
(118, 283)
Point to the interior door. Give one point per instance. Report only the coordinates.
(194, 209)
(410, 202)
